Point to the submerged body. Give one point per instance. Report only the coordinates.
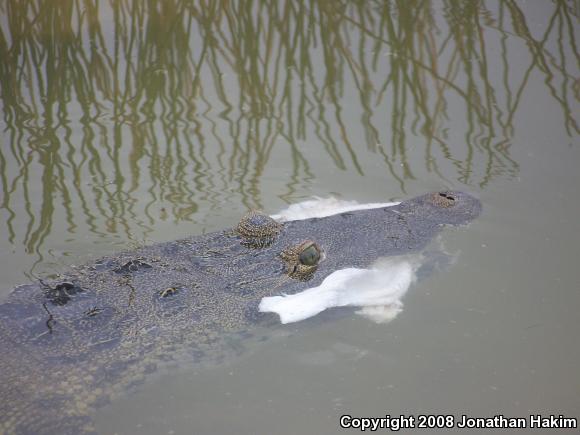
(70, 345)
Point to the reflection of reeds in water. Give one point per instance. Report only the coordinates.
(189, 99)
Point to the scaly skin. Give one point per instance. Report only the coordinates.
(70, 345)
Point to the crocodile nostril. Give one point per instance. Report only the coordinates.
(443, 199)
(447, 196)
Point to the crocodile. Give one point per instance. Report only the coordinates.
(73, 343)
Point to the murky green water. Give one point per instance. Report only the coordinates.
(131, 122)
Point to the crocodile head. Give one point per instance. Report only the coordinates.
(361, 258)
(358, 238)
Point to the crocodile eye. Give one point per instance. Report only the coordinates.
(302, 259)
(258, 230)
(310, 255)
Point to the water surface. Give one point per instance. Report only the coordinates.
(128, 122)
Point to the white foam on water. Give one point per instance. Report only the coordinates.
(381, 313)
(322, 207)
(378, 290)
